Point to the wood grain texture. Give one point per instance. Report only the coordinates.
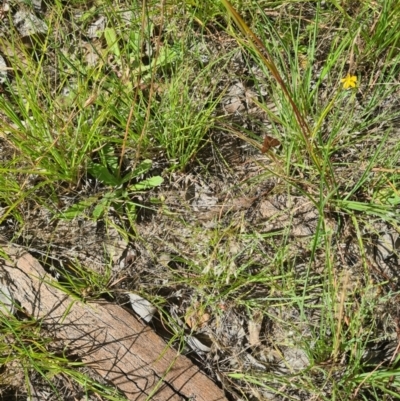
(118, 346)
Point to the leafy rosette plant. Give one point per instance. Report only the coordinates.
(121, 192)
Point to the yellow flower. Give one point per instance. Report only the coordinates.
(349, 82)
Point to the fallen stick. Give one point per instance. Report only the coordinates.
(122, 349)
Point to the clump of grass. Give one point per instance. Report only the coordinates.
(320, 119)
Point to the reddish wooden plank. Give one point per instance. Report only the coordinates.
(117, 345)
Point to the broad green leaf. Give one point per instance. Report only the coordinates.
(77, 209)
(131, 210)
(111, 159)
(103, 174)
(394, 200)
(112, 41)
(143, 168)
(151, 182)
(100, 208)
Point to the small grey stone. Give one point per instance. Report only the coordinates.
(142, 307)
(6, 300)
(37, 5)
(3, 70)
(96, 29)
(197, 345)
(28, 24)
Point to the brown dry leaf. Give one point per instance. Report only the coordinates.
(267, 209)
(197, 318)
(254, 333)
(93, 51)
(255, 328)
(4, 9)
(233, 100)
(269, 142)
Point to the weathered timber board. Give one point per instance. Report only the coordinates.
(118, 346)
